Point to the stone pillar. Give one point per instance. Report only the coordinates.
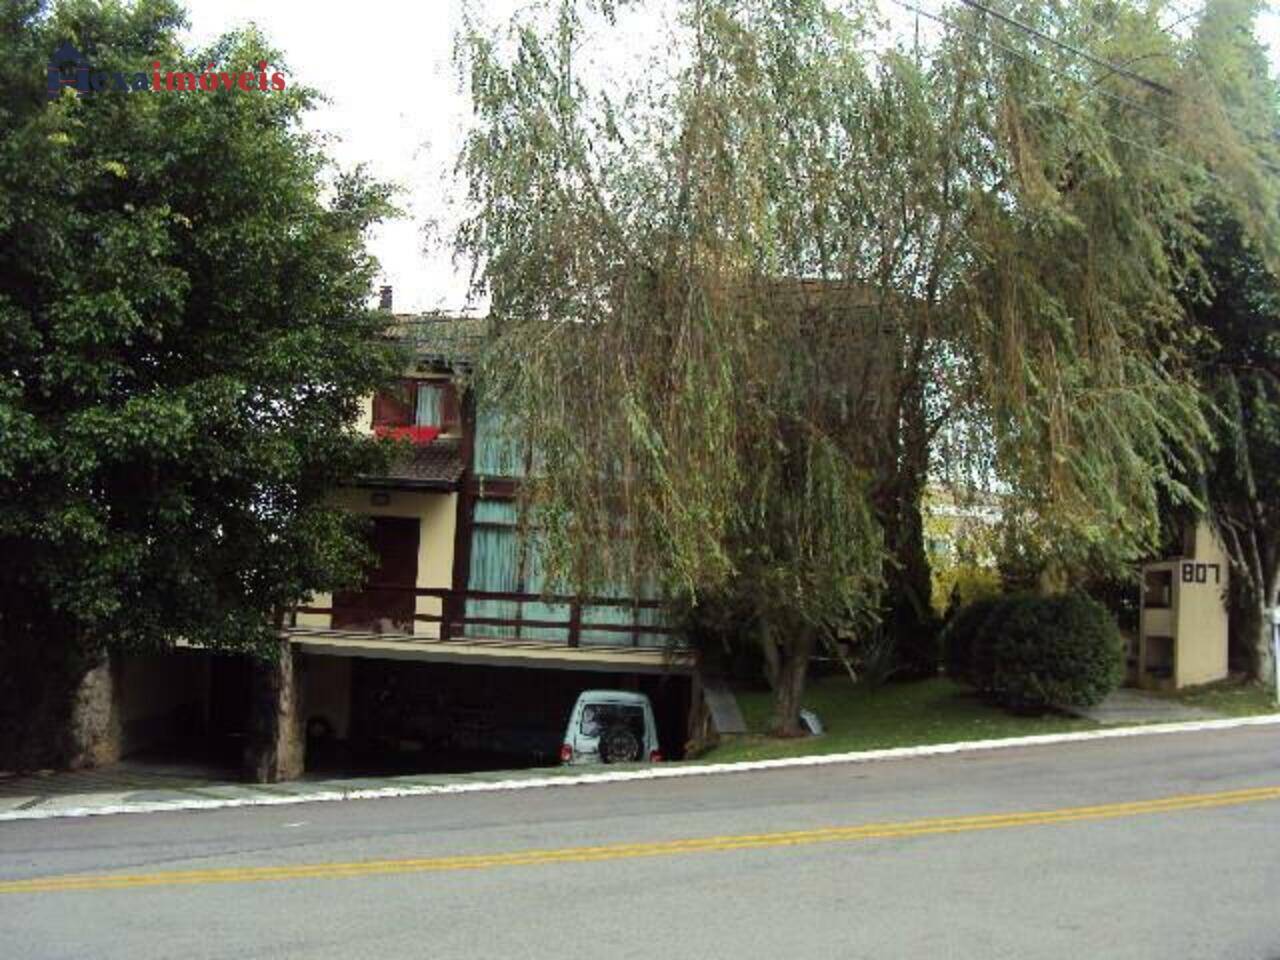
(277, 743)
(94, 729)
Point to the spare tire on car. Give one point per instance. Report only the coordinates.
(619, 745)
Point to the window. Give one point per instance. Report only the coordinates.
(497, 454)
(415, 403)
(500, 565)
(430, 406)
(599, 717)
(1158, 589)
(394, 407)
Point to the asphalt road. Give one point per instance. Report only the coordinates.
(1164, 846)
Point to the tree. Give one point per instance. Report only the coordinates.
(184, 344)
(1241, 372)
(1237, 311)
(778, 240)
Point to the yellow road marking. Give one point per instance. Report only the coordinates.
(662, 848)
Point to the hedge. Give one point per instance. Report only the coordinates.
(960, 635)
(1029, 652)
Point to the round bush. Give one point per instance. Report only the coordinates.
(982, 659)
(1063, 651)
(960, 634)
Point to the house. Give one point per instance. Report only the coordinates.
(453, 591)
(454, 654)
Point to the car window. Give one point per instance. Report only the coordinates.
(598, 717)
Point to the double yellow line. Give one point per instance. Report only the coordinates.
(627, 851)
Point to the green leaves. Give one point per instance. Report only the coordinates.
(185, 341)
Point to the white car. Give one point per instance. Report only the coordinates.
(611, 726)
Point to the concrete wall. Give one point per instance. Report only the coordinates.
(1202, 613)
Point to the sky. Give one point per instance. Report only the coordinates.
(395, 105)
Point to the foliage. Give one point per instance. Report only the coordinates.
(1048, 652)
(960, 637)
(955, 584)
(779, 249)
(982, 667)
(182, 287)
(1240, 366)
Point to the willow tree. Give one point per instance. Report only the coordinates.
(1238, 311)
(738, 300)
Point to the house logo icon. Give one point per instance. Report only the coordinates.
(67, 68)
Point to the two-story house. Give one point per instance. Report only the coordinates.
(453, 655)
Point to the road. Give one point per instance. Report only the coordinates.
(1164, 846)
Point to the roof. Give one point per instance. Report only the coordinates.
(437, 465)
(612, 696)
(450, 341)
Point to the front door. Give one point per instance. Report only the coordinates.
(387, 602)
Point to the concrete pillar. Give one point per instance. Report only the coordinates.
(94, 730)
(277, 743)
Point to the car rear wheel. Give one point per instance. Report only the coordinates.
(619, 745)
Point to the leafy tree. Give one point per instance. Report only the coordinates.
(184, 345)
(1237, 312)
(1241, 371)
(778, 241)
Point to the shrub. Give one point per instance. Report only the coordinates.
(1063, 651)
(982, 658)
(960, 634)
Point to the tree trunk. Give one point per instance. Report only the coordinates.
(788, 693)
(94, 729)
(1250, 622)
(277, 745)
(1264, 655)
(909, 617)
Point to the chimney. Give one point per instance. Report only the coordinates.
(384, 299)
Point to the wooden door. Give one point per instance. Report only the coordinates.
(387, 602)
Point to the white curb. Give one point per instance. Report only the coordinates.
(103, 804)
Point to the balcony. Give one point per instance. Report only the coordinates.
(498, 628)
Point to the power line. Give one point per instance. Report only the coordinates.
(1115, 97)
(1092, 58)
(1043, 66)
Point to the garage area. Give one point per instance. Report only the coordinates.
(372, 716)
(424, 717)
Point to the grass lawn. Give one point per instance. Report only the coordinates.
(894, 715)
(1231, 698)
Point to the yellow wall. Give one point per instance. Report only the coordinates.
(1202, 616)
(437, 515)
(1197, 616)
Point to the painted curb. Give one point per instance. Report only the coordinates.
(666, 772)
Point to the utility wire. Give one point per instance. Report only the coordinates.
(1092, 58)
(987, 38)
(1043, 66)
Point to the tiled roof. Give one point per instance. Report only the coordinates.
(451, 340)
(438, 464)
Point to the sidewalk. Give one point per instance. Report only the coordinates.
(1127, 705)
(125, 788)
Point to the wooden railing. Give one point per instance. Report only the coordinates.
(456, 624)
